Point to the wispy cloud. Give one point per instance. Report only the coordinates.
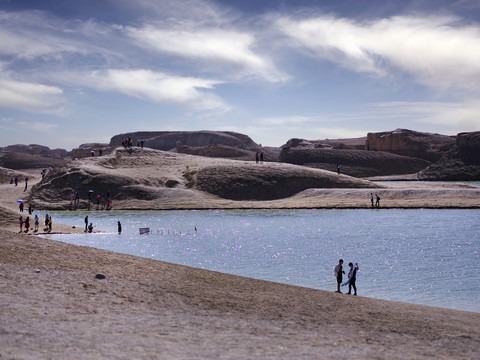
(30, 96)
(438, 51)
(158, 87)
(215, 47)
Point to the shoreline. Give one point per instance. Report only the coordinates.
(53, 306)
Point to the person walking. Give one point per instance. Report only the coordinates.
(371, 199)
(338, 273)
(352, 277)
(377, 203)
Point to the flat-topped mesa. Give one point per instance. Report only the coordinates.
(411, 143)
(168, 140)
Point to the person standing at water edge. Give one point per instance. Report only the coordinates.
(371, 198)
(119, 228)
(352, 277)
(338, 273)
(377, 203)
(37, 222)
(86, 223)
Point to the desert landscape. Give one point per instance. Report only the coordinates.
(53, 306)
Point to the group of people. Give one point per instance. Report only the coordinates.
(259, 157)
(127, 142)
(26, 224)
(75, 201)
(377, 200)
(92, 152)
(89, 227)
(15, 181)
(352, 277)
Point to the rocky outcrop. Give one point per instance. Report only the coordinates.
(85, 150)
(7, 174)
(34, 149)
(358, 163)
(410, 143)
(168, 140)
(147, 175)
(461, 163)
(19, 161)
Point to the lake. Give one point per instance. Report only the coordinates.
(423, 256)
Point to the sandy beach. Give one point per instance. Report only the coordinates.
(54, 307)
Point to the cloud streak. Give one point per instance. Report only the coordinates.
(438, 51)
(30, 96)
(158, 87)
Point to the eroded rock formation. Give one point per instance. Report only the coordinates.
(410, 143)
(462, 162)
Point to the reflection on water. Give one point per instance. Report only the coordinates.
(421, 256)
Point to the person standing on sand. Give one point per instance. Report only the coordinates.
(21, 223)
(338, 273)
(27, 224)
(352, 277)
(377, 203)
(26, 184)
(36, 223)
(49, 224)
(21, 206)
(16, 181)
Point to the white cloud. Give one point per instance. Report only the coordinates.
(211, 45)
(457, 116)
(30, 96)
(159, 87)
(438, 51)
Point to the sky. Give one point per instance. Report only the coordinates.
(74, 72)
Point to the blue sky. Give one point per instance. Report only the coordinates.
(74, 72)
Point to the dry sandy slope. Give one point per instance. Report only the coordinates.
(52, 307)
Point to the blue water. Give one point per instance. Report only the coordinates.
(422, 256)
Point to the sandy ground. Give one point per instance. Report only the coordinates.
(53, 307)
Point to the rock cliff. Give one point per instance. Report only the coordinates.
(411, 143)
(462, 162)
(358, 163)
